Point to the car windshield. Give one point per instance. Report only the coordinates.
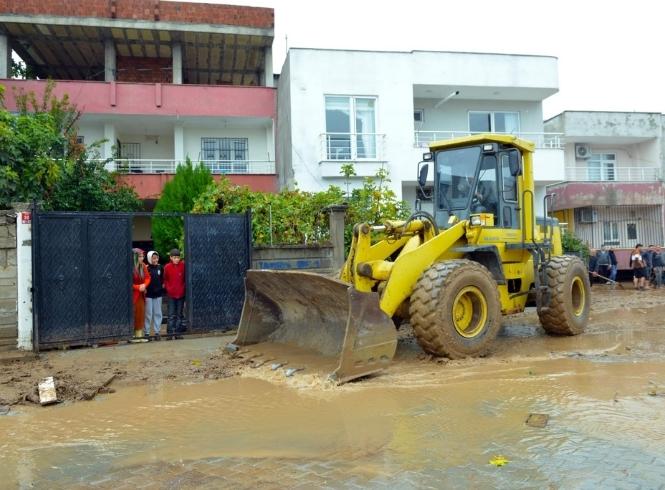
(456, 170)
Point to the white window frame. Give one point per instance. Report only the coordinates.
(352, 126)
(492, 122)
(606, 167)
(613, 228)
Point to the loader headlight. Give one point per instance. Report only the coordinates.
(476, 221)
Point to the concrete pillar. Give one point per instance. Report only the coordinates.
(5, 57)
(109, 60)
(178, 144)
(177, 63)
(336, 220)
(267, 77)
(24, 278)
(110, 150)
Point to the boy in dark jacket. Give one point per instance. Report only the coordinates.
(153, 296)
(174, 283)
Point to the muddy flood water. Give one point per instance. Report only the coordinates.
(420, 424)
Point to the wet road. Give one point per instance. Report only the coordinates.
(421, 424)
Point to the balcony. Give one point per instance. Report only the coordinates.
(422, 139)
(365, 150)
(613, 174)
(162, 166)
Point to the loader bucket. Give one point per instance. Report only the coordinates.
(315, 312)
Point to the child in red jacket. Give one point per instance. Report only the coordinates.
(174, 284)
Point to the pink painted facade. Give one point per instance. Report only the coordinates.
(570, 195)
(150, 186)
(156, 99)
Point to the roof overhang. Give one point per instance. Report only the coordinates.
(73, 47)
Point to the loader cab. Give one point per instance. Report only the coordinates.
(481, 178)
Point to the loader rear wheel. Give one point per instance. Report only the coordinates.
(455, 309)
(570, 297)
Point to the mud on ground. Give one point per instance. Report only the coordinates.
(82, 373)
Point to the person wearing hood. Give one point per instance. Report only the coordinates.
(140, 282)
(153, 296)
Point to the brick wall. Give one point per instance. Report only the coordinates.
(8, 288)
(146, 10)
(148, 70)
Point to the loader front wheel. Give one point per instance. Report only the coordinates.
(570, 297)
(455, 309)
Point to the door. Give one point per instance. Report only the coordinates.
(217, 255)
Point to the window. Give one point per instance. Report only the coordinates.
(350, 128)
(494, 122)
(631, 231)
(456, 170)
(601, 166)
(419, 115)
(509, 182)
(610, 232)
(80, 140)
(225, 155)
(130, 155)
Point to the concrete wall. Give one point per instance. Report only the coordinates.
(284, 141)
(8, 281)
(312, 259)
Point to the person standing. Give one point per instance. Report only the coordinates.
(638, 266)
(658, 265)
(593, 259)
(647, 257)
(140, 282)
(153, 296)
(603, 264)
(615, 265)
(174, 284)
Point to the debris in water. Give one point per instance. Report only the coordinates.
(499, 461)
(196, 362)
(291, 371)
(261, 363)
(47, 394)
(538, 420)
(231, 347)
(275, 366)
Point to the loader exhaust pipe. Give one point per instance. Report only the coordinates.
(311, 311)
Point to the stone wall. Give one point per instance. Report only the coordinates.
(8, 288)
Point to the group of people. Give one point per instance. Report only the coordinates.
(149, 284)
(647, 265)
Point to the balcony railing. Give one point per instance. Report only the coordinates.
(613, 174)
(352, 146)
(541, 140)
(164, 166)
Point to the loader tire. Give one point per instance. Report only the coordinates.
(570, 295)
(455, 309)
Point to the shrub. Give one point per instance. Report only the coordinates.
(178, 195)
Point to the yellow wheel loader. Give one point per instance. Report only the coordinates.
(451, 273)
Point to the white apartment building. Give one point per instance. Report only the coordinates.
(613, 193)
(377, 109)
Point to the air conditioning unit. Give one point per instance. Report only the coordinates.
(588, 215)
(582, 150)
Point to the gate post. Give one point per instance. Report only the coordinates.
(336, 217)
(24, 217)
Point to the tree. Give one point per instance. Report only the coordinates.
(178, 196)
(41, 160)
(85, 185)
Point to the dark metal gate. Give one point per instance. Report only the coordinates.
(82, 277)
(218, 253)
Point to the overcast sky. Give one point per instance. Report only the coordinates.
(611, 53)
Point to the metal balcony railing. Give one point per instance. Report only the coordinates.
(352, 146)
(541, 140)
(613, 174)
(167, 166)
